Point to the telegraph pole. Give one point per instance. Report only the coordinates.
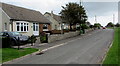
(113, 20)
(95, 19)
(80, 3)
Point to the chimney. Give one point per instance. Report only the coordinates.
(52, 13)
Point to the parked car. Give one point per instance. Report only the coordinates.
(13, 37)
(104, 27)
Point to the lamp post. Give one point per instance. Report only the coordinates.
(62, 27)
(113, 20)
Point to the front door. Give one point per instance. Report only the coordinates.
(35, 29)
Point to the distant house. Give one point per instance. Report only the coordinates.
(22, 20)
(56, 20)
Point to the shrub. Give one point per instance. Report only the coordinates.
(32, 39)
(84, 26)
(43, 37)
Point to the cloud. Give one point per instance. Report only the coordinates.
(103, 9)
(100, 8)
(104, 20)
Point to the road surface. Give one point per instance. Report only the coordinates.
(88, 49)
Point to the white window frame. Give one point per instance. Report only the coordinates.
(5, 26)
(25, 25)
(45, 29)
(35, 26)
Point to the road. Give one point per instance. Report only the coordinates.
(88, 49)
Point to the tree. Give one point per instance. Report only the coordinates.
(110, 24)
(97, 25)
(73, 13)
(91, 26)
(117, 25)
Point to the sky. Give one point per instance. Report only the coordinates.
(103, 9)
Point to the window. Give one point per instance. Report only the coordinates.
(18, 26)
(27, 26)
(45, 26)
(22, 27)
(5, 26)
(56, 27)
(35, 27)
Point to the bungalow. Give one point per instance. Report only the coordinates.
(22, 20)
(56, 20)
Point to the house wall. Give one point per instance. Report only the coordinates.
(0, 19)
(49, 27)
(4, 19)
(41, 27)
(54, 22)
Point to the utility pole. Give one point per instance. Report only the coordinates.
(113, 20)
(80, 2)
(95, 19)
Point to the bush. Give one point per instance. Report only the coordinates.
(78, 28)
(43, 37)
(32, 39)
(84, 26)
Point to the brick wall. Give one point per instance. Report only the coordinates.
(41, 27)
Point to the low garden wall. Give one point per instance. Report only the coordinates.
(88, 30)
(56, 37)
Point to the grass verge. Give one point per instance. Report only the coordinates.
(113, 54)
(11, 53)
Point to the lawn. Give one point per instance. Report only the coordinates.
(11, 53)
(113, 54)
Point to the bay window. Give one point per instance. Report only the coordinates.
(21, 27)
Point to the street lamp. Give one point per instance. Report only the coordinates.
(62, 27)
(113, 20)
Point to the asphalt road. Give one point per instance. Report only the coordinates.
(88, 49)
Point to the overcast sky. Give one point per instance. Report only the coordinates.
(103, 9)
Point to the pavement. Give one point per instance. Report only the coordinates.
(85, 49)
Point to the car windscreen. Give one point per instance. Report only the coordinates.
(1, 33)
(14, 33)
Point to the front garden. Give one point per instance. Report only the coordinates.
(8, 54)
